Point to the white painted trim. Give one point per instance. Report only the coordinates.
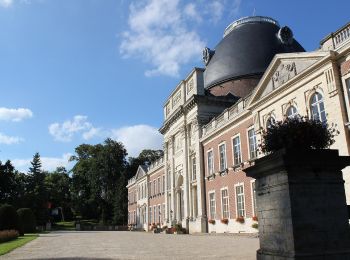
(212, 192)
(225, 166)
(346, 94)
(245, 211)
(233, 149)
(213, 162)
(228, 202)
(252, 196)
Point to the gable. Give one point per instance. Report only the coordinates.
(282, 69)
(140, 172)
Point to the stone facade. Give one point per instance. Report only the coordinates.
(210, 139)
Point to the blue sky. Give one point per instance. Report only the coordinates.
(78, 71)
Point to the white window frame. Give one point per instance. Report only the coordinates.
(294, 114)
(225, 157)
(256, 143)
(233, 149)
(210, 216)
(210, 169)
(318, 106)
(252, 195)
(244, 204)
(194, 168)
(228, 203)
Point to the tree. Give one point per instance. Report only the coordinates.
(7, 182)
(97, 180)
(58, 185)
(37, 191)
(146, 156)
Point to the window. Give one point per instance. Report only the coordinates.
(159, 214)
(194, 177)
(237, 157)
(347, 83)
(163, 186)
(291, 112)
(240, 201)
(224, 203)
(142, 194)
(254, 198)
(253, 146)
(317, 108)
(163, 212)
(210, 163)
(154, 214)
(154, 188)
(270, 122)
(150, 189)
(159, 191)
(150, 215)
(222, 155)
(212, 205)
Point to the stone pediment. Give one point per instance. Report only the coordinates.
(282, 69)
(141, 171)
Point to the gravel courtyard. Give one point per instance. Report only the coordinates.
(135, 245)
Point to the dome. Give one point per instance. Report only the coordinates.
(247, 48)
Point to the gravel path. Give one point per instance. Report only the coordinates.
(135, 245)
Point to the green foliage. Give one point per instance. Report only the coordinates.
(37, 192)
(145, 157)
(298, 133)
(9, 218)
(255, 225)
(7, 182)
(27, 220)
(7, 235)
(13, 244)
(99, 182)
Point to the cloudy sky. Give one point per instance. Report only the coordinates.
(79, 71)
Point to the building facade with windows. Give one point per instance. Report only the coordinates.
(258, 74)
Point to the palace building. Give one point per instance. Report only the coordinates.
(257, 74)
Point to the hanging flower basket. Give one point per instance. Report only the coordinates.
(255, 218)
(240, 219)
(211, 221)
(224, 221)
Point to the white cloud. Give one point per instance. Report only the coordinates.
(159, 34)
(5, 139)
(138, 137)
(162, 32)
(48, 163)
(93, 132)
(15, 114)
(64, 132)
(6, 3)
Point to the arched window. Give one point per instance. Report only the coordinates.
(270, 122)
(317, 108)
(292, 112)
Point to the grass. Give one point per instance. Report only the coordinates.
(64, 225)
(13, 244)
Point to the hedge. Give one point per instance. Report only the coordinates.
(27, 220)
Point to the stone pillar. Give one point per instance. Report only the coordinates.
(301, 205)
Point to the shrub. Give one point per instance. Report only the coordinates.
(255, 225)
(298, 133)
(211, 221)
(27, 219)
(224, 221)
(9, 218)
(240, 219)
(7, 235)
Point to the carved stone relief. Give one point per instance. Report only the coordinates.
(285, 72)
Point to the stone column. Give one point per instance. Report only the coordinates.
(301, 205)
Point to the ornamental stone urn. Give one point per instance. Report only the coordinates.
(301, 205)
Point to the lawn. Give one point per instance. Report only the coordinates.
(64, 225)
(13, 244)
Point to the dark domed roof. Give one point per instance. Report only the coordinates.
(248, 47)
